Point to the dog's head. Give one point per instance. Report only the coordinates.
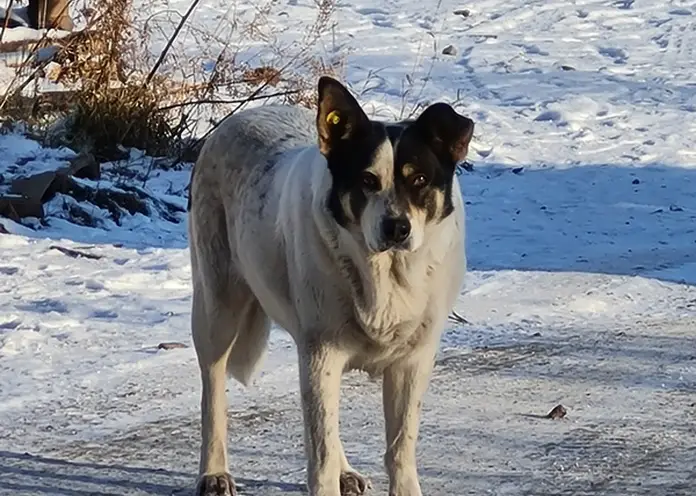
(390, 181)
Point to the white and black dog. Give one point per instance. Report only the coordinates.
(349, 234)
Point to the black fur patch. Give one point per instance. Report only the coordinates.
(347, 160)
(394, 131)
(413, 151)
(350, 159)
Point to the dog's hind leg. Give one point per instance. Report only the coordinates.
(229, 340)
(230, 331)
(212, 354)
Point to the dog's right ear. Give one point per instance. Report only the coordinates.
(447, 132)
(339, 117)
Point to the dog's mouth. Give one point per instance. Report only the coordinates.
(385, 246)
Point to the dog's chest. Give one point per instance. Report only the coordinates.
(392, 302)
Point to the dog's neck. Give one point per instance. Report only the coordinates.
(392, 288)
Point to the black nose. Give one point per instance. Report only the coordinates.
(396, 229)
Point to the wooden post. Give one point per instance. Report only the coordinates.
(50, 14)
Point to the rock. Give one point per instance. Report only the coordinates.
(171, 346)
(85, 166)
(449, 50)
(16, 207)
(558, 412)
(33, 187)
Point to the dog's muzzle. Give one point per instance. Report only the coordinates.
(395, 232)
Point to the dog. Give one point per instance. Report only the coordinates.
(349, 234)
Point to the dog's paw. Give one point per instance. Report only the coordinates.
(353, 484)
(216, 485)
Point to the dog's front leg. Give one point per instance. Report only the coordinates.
(402, 391)
(321, 367)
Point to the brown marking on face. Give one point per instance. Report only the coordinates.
(408, 169)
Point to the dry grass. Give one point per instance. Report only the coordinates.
(116, 91)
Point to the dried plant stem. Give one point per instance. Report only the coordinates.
(8, 13)
(122, 95)
(168, 46)
(32, 53)
(226, 102)
(253, 96)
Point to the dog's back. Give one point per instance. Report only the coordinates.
(245, 145)
(233, 171)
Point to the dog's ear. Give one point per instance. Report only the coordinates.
(339, 117)
(446, 132)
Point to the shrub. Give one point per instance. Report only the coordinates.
(114, 93)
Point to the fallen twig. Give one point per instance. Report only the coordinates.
(228, 102)
(455, 317)
(75, 253)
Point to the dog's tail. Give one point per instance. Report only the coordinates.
(250, 344)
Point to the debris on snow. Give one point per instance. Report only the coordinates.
(449, 50)
(558, 412)
(75, 253)
(171, 346)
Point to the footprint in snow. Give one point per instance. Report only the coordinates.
(9, 271)
(619, 55)
(624, 4)
(378, 17)
(157, 267)
(680, 12)
(94, 285)
(371, 11)
(531, 49)
(550, 116)
(104, 314)
(46, 305)
(11, 324)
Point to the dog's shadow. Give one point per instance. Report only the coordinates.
(26, 474)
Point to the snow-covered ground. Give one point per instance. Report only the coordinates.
(582, 249)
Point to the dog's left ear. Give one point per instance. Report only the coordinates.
(340, 117)
(446, 132)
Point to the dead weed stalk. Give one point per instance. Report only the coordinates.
(121, 95)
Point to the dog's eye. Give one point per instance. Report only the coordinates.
(419, 181)
(370, 181)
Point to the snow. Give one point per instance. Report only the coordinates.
(581, 244)
(21, 156)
